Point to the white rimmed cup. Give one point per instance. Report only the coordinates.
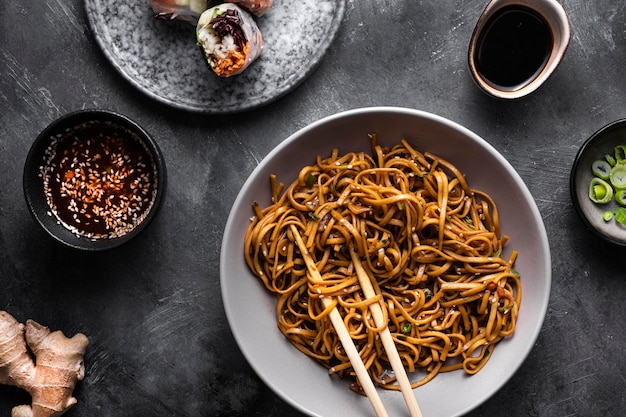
(558, 24)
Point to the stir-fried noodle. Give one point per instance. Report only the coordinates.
(430, 244)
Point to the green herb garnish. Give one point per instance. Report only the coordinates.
(310, 180)
(407, 327)
(312, 215)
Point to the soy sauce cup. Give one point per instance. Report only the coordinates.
(516, 45)
(94, 179)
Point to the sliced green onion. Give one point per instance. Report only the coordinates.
(313, 216)
(407, 327)
(620, 197)
(620, 215)
(468, 220)
(310, 180)
(620, 153)
(609, 158)
(618, 176)
(601, 169)
(603, 192)
(600, 191)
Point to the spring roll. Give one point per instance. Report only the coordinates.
(190, 10)
(187, 10)
(229, 39)
(256, 7)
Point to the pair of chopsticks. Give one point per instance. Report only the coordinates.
(348, 344)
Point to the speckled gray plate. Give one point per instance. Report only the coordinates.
(161, 58)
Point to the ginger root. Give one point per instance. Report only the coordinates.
(45, 364)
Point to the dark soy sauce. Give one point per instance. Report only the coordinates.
(513, 47)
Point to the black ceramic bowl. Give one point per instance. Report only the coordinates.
(600, 144)
(94, 179)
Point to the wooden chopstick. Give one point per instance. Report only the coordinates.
(388, 343)
(342, 332)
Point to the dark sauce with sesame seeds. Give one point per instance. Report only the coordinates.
(514, 47)
(99, 181)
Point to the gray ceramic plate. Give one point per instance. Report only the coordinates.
(251, 309)
(161, 57)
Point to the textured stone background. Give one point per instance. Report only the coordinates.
(160, 343)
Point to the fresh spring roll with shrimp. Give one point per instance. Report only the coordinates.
(187, 10)
(229, 39)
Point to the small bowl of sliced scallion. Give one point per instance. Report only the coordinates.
(598, 182)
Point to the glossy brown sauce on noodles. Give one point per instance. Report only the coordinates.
(430, 244)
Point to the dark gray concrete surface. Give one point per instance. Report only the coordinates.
(160, 342)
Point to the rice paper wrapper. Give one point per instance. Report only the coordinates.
(170, 9)
(258, 7)
(238, 60)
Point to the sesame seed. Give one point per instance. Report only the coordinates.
(90, 174)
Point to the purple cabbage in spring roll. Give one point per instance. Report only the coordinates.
(229, 39)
